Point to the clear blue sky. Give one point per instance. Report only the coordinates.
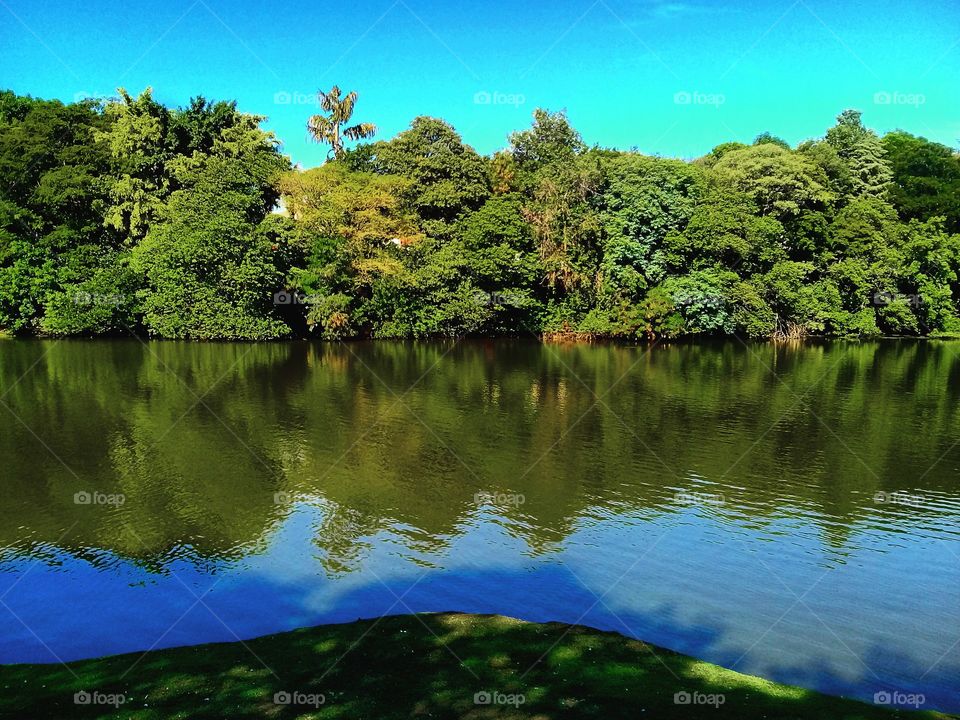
(672, 77)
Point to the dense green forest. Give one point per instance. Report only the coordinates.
(125, 216)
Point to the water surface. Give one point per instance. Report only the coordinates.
(787, 511)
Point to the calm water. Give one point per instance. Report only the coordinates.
(792, 512)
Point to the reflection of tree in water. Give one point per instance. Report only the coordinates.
(837, 423)
(111, 410)
(339, 535)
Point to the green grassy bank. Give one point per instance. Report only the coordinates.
(425, 666)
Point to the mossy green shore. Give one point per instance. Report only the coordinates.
(415, 666)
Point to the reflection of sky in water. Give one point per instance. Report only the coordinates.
(752, 537)
(778, 602)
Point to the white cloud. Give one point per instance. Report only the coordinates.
(667, 9)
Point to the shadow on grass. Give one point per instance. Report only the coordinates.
(430, 666)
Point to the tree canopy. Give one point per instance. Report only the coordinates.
(127, 216)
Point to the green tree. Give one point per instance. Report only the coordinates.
(350, 225)
(724, 229)
(328, 128)
(196, 127)
(862, 152)
(209, 263)
(797, 304)
(131, 216)
(926, 178)
(137, 138)
(550, 140)
(502, 265)
(770, 138)
(839, 177)
(448, 178)
(565, 222)
(644, 200)
(781, 183)
(54, 184)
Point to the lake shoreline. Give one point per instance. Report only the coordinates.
(546, 338)
(430, 665)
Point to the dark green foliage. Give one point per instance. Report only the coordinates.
(449, 178)
(53, 190)
(926, 178)
(645, 200)
(437, 664)
(862, 152)
(209, 262)
(768, 138)
(133, 217)
(551, 140)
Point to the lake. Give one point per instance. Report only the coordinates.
(789, 511)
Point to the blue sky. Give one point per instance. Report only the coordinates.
(669, 77)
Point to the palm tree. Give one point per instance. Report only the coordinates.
(326, 128)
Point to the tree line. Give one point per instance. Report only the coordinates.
(125, 216)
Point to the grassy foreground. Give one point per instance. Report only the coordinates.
(410, 667)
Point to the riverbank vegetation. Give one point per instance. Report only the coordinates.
(125, 216)
(445, 666)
